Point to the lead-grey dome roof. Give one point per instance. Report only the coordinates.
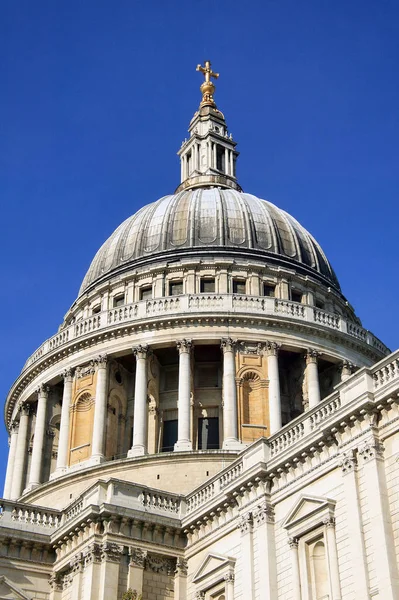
(212, 219)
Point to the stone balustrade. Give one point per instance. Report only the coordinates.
(204, 304)
(28, 517)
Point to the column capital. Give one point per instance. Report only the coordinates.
(329, 522)
(181, 567)
(55, 582)
(111, 552)
(68, 374)
(229, 578)
(293, 543)
(245, 523)
(101, 361)
(228, 344)
(263, 513)
(272, 348)
(25, 409)
(184, 346)
(92, 554)
(42, 390)
(137, 557)
(14, 426)
(141, 351)
(311, 355)
(370, 450)
(348, 462)
(347, 368)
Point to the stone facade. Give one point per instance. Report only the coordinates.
(211, 421)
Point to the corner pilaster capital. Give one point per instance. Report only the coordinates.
(199, 595)
(92, 554)
(229, 578)
(370, 450)
(137, 557)
(293, 543)
(184, 346)
(141, 351)
(181, 567)
(43, 391)
(263, 513)
(101, 361)
(228, 344)
(245, 523)
(348, 462)
(272, 348)
(55, 582)
(311, 356)
(111, 552)
(329, 522)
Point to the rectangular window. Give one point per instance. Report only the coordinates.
(239, 286)
(208, 433)
(320, 304)
(119, 300)
(269, 290)
(169, 437)
(96, 309)
(207, 286)
(146, 292)
(175, 288)
(296, 296)
(220, 158)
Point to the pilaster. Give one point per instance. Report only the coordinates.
(245, 525)
(263, 522)
(181, 580)
(136, 569)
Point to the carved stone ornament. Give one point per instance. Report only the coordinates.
(263, 514)
(348, 463)
(293, 543)
(25, 409)
(369, 450)
(228, 344)
(181, 566)
(199, 595)
(137, 557)
(160, 564)
(229, 578)
(245, 523)
(347, 368)
(111, 552)
(86, 370)
(92, 554)
(14, 427)
(251, 348)
(140, 351)
(329, 522)
(184, 346)
(76, 563)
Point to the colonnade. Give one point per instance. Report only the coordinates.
(16, 468)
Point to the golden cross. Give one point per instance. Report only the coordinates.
(207, 71)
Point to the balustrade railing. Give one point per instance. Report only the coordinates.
(28, 516)
(205, 303)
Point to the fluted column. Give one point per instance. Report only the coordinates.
(183, 406)
(100, 410)
(312, 377)
(230, 428)
(296, 579)
(21, 453)
(38, 439)
(140, 420)
(62, 457)
(11, 460)
(274, 387)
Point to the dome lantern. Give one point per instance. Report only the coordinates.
(208, 157)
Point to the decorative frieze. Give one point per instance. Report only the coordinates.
(160, 564)
(86, 370)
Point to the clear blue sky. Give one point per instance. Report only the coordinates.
(96, 97)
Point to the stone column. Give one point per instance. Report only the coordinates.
(38, 439)
(11, 460)
(263, 518)
(296, 578)
(181, 579)
(333, 559)
(92, 565)
(184, 405)
(136, 570)
(229, 586)
(62, 457)
(247, 573)
(355, 527)
(109, 576)
(100, 410)
(347, 369)
(139, 447)
(230, 432)
(312, 377)
(20, 453)
(371, 456)
(274, 387)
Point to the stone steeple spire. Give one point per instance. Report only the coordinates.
(208, 156)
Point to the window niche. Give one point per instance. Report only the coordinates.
(269, 290)
(310, 526)
(119, 300)
(239, 286)
(207, 285)
(175, 288)
(146, 292)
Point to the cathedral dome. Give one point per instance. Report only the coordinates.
(212, 221)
